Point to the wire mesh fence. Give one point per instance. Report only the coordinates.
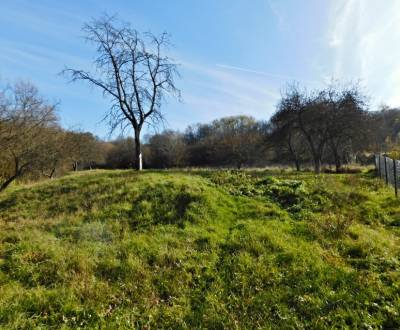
(388, 169)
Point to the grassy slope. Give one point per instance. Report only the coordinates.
(201, 249)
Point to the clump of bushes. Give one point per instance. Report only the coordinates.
(331, 225)
(291, 195)
(237, 183)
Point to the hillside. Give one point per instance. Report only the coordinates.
(200, 249)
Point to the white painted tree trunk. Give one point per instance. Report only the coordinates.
(140, 162)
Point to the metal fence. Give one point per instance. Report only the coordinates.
(388, 169)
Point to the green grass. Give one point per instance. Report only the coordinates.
(200, 249)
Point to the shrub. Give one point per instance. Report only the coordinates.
(290, 194)
(331, 225)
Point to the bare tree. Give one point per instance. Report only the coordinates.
(238, 139)
(287, 141)
(81, 150)
(384, 128)
(119, 153)
(166, 149)
(26, 120)
(306, 113)
(285, 138)
(329, 122)
(133, 71)
(348, 128)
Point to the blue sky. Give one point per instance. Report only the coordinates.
(235, 55)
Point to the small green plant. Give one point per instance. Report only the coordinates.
(290, 194)
(332, 225)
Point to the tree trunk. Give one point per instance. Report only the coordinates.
(317, 156)
(6, 183)
(297, 163)
(317, 153)
(52, 173)
(293, 154)
(316, 150)
(138, 152)
(317, 165)
(17, 172)
(338, 164)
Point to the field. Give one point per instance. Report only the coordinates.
(200, 249)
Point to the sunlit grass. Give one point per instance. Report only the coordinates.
(200, 249)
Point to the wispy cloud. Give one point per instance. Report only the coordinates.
(281, 78)
(364, 39)
(51, 21)
(213, 91)
(273, 5)
(47, 58)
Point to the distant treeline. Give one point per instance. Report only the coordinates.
(326, 127)
(329, 127)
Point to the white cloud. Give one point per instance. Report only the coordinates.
(44, 57)
(274, 7)
(219, 90)
(364, 39)
(281, 78)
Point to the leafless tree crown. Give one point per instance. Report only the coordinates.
(132, 69)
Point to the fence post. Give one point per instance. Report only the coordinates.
(395, 177)
(379, 166)
(386, 170)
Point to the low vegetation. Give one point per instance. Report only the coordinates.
(200, 249)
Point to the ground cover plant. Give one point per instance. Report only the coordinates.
(200, 249)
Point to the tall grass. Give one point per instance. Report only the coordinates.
(200, 249)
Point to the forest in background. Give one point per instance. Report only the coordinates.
(330, 128)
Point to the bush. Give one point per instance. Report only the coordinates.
(292, 195)
(331, 225)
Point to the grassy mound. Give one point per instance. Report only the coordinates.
(207, 249)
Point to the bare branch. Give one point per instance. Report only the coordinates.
(132, 71)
